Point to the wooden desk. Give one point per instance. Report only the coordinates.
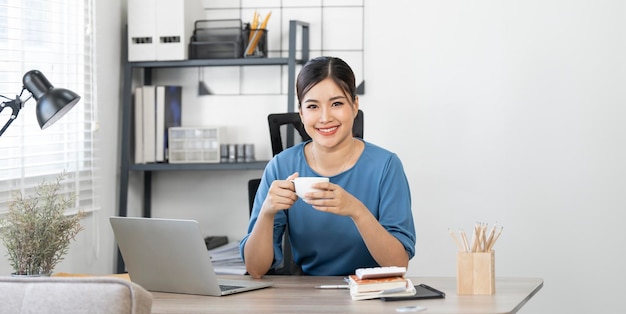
(296, 294)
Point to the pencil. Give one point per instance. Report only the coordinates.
(456, 240)
(464, 237)
(491, 234)
(483, 236)
(265, 20)
(495, 238)
(332, 287)
(476, 239)
(253, 25)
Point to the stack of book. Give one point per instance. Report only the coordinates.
(156, 109)
(364, 285)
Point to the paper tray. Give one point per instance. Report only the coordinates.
(216, 39)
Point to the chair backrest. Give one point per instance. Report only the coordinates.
(253, 185)
(292, 119)
(289, 267)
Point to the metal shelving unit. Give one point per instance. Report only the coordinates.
(148, 66)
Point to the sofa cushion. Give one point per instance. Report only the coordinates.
(72, 295)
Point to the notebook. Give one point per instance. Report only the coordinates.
(169, 255)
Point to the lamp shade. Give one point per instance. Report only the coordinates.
(52, 103)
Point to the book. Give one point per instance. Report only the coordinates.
(375, 284)
(159, 124)
(377, 272)
(406, 290)
(138, 120)
(172, 114)
(149, 123)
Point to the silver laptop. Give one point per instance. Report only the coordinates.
(169, 255)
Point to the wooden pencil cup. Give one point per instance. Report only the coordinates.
(475, 273)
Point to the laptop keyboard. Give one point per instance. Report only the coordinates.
(229, 287)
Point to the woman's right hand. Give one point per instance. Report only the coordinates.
(281, 196)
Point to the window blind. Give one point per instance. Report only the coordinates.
(56, 38)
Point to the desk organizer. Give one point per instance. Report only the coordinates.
(217, 39)
(255, 43)
(194, 145)
(476, 273)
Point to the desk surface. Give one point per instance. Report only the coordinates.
(296, 294)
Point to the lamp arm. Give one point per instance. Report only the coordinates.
(16, 105)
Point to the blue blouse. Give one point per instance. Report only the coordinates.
(326, 244)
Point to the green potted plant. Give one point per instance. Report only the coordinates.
(36, 231)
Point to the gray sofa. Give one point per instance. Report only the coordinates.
(72, 295)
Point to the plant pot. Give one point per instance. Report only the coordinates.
(31, 275)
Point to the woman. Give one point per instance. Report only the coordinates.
(361, 218)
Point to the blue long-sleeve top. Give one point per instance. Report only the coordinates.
(326, 244)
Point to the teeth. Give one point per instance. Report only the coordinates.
(328, 130)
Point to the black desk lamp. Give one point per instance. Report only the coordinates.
(52, 103)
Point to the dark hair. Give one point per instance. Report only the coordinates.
(320, 68)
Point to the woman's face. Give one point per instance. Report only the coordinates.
(328, 114)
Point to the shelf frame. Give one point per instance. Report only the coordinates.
(254, 165)
(126, 165)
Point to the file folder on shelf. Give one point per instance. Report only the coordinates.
(174, 27)
(141, 30)
(161, 30)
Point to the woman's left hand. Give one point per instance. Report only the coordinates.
(334, 199)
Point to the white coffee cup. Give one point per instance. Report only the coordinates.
(303, 185)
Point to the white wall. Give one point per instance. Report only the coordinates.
(502, 111)
(509, 112)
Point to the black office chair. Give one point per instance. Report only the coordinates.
(253, 185)
(291, 120)
(289, 267)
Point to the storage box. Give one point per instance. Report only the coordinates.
(161, 30)
(194, 145)
(476, 273)
(217, 39)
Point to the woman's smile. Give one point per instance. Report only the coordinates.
(327, 131)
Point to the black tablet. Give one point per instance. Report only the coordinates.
(422, 291)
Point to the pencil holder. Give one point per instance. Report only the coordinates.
(475, 273)
(255, 43)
